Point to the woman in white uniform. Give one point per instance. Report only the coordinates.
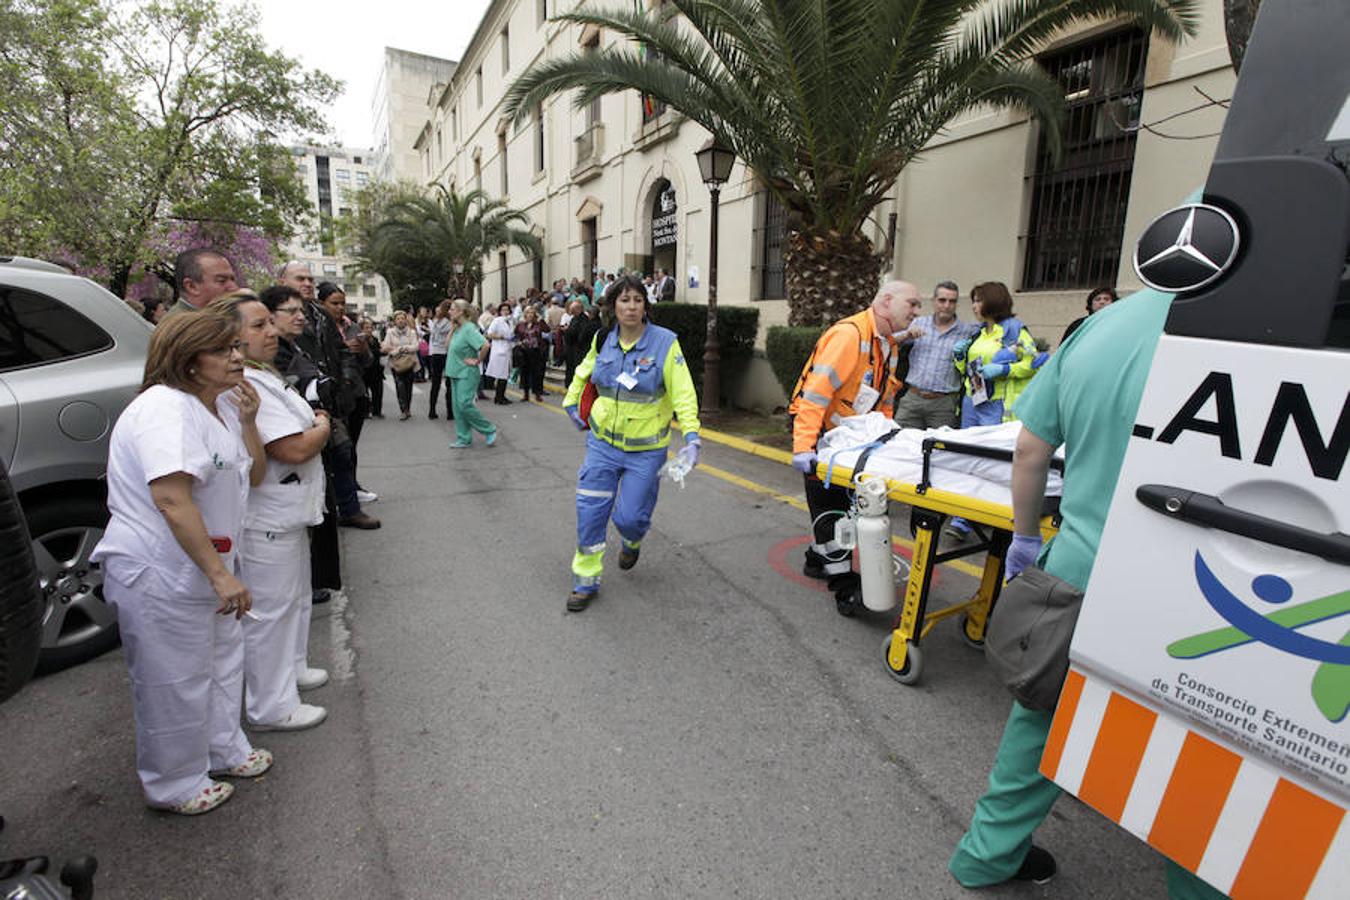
(275, 549)
(180, 463)
(500, 333)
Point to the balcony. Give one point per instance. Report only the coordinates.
(590, 146)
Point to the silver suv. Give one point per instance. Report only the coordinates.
(71, 359)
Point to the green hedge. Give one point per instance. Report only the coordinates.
(736, 328)
(788, 348)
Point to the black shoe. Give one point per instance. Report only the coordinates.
(577, 601)
(813, 569)
(360, 520)
(322, 595)
(628, 557)
(432, 415)
(1038, 866)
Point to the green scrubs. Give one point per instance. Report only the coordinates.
(1084, 398)
(465, 342)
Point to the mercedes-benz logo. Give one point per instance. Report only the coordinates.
(1186, 248)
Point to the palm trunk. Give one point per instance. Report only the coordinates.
(829, 276)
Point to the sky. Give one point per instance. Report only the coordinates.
(347, 41)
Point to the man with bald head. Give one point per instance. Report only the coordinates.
(850, 372)
(296, 274)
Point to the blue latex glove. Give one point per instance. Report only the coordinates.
(576, 418)
(1004, 355)
(961, 348)
(1039, 360)
(804, 462)
(688, 454)
(1021, 553)
(994, 370)
(1012, 330)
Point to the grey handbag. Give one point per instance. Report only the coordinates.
(1027, 643)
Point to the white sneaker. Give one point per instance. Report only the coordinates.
(363, 496)
(305, 716)
(308, 679)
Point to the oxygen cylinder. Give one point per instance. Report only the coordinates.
(875, 562)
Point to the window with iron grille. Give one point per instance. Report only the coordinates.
(1078, 206)
(773, 269)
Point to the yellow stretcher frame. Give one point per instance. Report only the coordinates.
(931, 507)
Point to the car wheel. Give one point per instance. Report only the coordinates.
(76, 624)
(20, 597)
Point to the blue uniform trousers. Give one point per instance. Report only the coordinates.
(621, 483)
(990, 412)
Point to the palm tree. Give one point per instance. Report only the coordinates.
(827, 101)
(418, 240)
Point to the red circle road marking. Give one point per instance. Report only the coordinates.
(789, 565)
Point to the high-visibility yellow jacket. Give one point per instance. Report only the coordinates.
(848, 355)
(986, 345)
(634, 412)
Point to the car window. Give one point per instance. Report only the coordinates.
(37, 329)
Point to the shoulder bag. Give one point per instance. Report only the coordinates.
(1030, 629)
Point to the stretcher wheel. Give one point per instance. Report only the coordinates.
(964, 624)
(913, 662)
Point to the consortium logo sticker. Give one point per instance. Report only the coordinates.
(1186, 248)
(1277, 629)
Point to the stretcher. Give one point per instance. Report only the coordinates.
(930, 508)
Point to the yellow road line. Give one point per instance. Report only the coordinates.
(755, 487)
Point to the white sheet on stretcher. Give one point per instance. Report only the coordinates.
(901, 458)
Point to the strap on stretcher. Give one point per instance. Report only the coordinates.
(861, 464)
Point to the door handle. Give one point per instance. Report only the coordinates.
(1204, 509)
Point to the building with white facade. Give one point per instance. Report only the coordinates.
(617, 185)
(331, 175)
(398, 109)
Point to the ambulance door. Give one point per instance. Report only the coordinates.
(1218, 610)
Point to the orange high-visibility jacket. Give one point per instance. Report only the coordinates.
(846, 353)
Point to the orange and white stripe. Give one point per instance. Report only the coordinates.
(1233, 820)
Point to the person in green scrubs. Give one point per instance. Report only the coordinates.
(1068, 404)
(465, 353)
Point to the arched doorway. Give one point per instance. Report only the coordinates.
(665, 234)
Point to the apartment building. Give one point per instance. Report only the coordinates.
(398, 107)
(617, 185)
(330, 176)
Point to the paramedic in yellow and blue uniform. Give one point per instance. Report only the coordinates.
(640, 374)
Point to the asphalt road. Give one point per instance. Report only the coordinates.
(710, 727)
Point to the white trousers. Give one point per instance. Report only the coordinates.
(186, 664)
(275, 566)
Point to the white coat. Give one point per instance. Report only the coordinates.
(500, 333)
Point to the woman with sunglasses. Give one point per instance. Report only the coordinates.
(180, 463)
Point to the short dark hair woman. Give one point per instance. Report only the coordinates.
(180, 464)
(1098, 299)
(642, 381)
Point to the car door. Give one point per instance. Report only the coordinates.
(9, 424)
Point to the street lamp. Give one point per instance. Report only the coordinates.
(714, 165)
(458, 265)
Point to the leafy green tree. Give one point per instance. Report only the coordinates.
(827, 102)
(117, 118)
(417, 239)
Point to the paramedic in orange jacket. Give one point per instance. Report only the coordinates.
(850, 372)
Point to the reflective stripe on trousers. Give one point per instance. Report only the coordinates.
(618, 483)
